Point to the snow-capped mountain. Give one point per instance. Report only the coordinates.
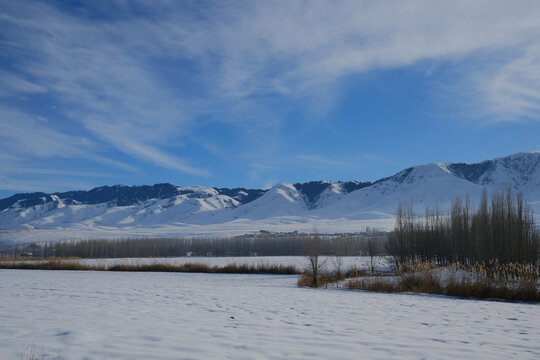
(166, 209)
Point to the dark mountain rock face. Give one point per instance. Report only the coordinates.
(471, 172)
(25, 200)
(351, 186)
(242, 195)
(312, 190)
(121, 195)
(400, 177)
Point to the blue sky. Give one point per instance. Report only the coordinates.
(247, 93)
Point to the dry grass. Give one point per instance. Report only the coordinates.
(326, 278)
(323, 280)
(427, 282)
(49, 265)
(259, 269)
(203, 268)
(155, 267)
(32, 352)
(512, 282)
(519, 290)
(305, 281)
(32, 258)
(378, 285)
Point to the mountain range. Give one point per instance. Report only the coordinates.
(328, 207)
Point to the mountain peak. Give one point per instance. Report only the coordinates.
(284, 206)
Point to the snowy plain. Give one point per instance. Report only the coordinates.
(238, 227)
(104, 315)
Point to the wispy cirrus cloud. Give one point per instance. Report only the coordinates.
(512, 92)
(14, 84)
(35, 136)
(138, 77)
(43, 185)
(321, 160)
(98, 81)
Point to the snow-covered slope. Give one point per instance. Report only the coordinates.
(166, 209)
(162, 316)
(427, 185)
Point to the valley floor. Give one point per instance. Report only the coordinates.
(103, 315)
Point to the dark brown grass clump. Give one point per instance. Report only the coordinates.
(325, 279)
(425, 282)
(257, 269)
(162, 267)
(476, 284)
(48, 265)
(305, 281)
(156, 267)
(322, 281)
(377, 285)
(36, 258)
(521, 290)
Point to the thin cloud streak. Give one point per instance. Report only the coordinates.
(102, 84)
(34, 136)
(137, 81)
(43, 185)
(36, 171)
(320, 160)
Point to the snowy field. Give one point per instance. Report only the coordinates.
(61, 232)
(102, 315)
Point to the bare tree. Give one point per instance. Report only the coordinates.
(372, 247)
(501, 229)
(339, 249)
(313, 245)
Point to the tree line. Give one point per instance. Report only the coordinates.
(500, 228)
(256, 245)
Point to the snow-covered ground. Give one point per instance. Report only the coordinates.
(103, 315)
(227, 229)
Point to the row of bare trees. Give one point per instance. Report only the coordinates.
(258, 245)
(501, 228)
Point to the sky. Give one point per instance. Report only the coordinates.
(253, 93)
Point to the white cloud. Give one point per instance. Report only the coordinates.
(513, 90)
(107, 75)
(43, 185)
(30, 135)
(131, 146)
(295, 48)
(14, 84)
(321, 160)
(28, 140)
(44, 171)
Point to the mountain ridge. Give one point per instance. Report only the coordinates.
(173, 209)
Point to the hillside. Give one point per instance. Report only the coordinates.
(166, 209)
